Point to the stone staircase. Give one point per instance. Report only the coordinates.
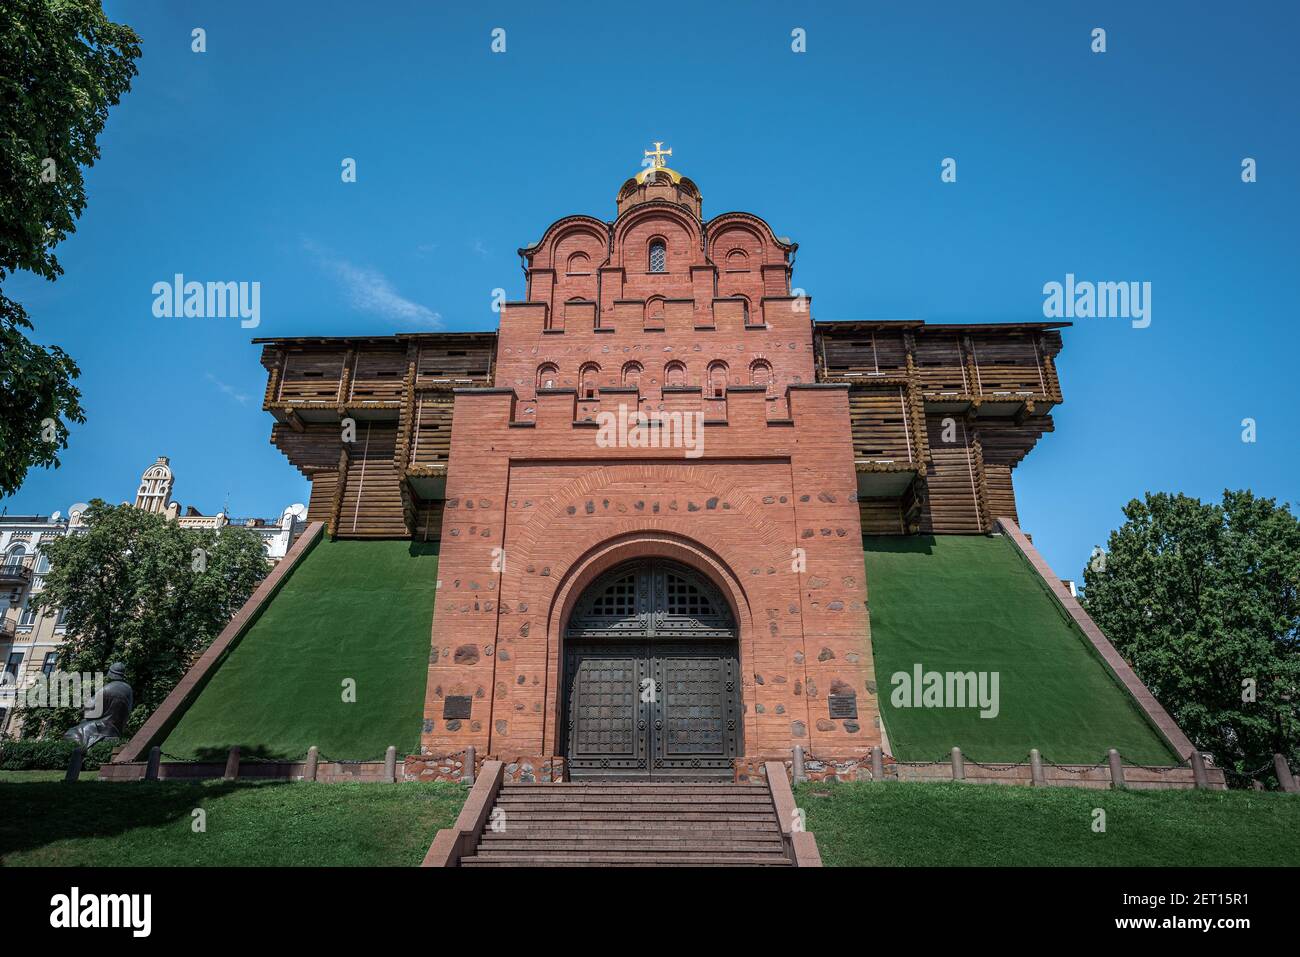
(633, 824)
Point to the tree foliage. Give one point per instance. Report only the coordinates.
(63, 63)
(1204, 601)
(37, 397)
(137, 588)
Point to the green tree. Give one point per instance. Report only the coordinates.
(63, 63)
(1204, 601)
(136, 588)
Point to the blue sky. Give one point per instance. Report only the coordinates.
(1116, 166)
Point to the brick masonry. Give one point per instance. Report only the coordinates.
(537, 506)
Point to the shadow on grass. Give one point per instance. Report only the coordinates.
(247, 753)
(33, 815)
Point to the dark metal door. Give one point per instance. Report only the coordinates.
(652, 683)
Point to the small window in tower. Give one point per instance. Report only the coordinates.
(717, 379)
(546, 375)
(658, 256)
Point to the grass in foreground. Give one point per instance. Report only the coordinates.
(30, 776)
(359, 610)
(150, 824)
(947, 825)
(971, 603)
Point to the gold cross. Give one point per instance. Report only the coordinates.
(659, 153)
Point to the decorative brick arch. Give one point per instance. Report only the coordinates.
(615, 551)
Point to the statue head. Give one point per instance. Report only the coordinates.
(117, 671)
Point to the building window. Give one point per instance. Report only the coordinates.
(717, 379)
(28, 616)
(547, 375)
(587, 376)
(675, 374)
(579, 264)
(632, 375)
(13, 664)
(658, 256)
(760, 373)
(47, 666)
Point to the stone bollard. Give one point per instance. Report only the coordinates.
(470, 756)
(155, 759)
(74, 764)
(958, 765)
(1284, 776)
(1116, 769)
(390, 765)
(1198, 771)
(877, 763)
(796, 765)
(232, 764)
(1036, 768)
(313, 763)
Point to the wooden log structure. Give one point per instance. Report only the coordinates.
(940, 415)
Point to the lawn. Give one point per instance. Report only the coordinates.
(958, 603)
(353, 610)
(150, 824)
(945, 825)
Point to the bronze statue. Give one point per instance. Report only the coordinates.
(107, 715)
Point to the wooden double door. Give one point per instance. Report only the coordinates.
(652, 681)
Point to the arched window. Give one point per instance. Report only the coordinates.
(579, 263)
(654, 309)
(744, 308)
(717, 379)
(587, 376)
(547, 375)
(632, 375)
(658, 256)
(675, 373)
(738, 259)
(760, 373)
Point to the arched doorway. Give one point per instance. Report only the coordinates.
(651, 677)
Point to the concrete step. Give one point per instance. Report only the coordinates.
(632, 847)
(719, 800)
(670, 813)
(552, 862)
(638, 826)
(614, 860)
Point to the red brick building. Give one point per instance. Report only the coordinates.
(650, 487)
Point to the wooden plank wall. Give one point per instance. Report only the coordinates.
(320, 506)
(431, 428)
(878, 419)
(372, 505)
(953, 503)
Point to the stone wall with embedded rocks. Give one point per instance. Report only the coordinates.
(1135, 777)
(537, 510)
(519, 769)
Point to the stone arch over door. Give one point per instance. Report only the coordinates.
(650, 676)
(641, 545)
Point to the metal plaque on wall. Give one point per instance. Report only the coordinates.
(843, 705)
(456, 706)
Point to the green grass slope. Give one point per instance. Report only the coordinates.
(353, 609)
(954, 825)
(971, 603)
(150, 824)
